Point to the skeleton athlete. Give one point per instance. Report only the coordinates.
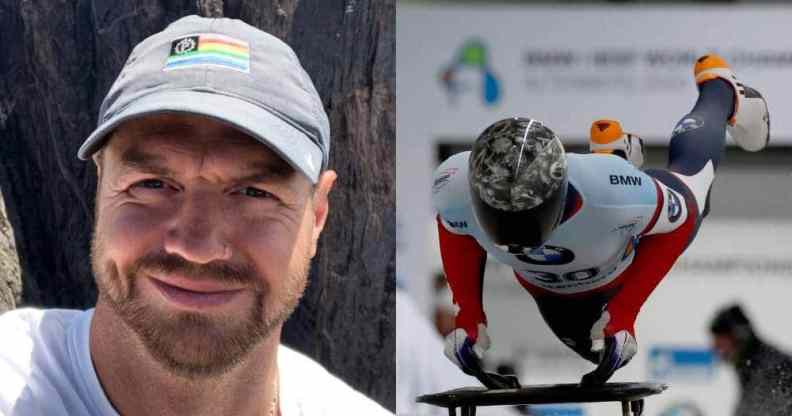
(589, 236)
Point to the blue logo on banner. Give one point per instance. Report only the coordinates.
(681, 363)
(472, 56)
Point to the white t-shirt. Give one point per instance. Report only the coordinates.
(46, 369)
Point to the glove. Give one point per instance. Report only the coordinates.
(467, 350)
(616, 350)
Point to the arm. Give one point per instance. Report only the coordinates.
(616, 327)
(463, 263)
(664, 239)
(662, 242)
(654, 258)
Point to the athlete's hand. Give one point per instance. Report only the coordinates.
(616, 347)
(466, 350)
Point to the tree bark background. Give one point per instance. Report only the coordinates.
(59, 57)
(10, 279)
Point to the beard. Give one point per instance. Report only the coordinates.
(193, 344)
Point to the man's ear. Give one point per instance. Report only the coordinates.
(321, 205)
(98, 159)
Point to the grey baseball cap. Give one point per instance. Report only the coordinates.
(227, 70)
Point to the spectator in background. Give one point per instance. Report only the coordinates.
(764, 372)
(417, 370)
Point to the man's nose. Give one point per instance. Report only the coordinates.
(198, 231)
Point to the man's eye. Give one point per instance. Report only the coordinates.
(255, 192)
(151, 184)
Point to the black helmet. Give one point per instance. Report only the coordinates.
(518, 181)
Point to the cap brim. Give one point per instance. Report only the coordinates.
(284, 139)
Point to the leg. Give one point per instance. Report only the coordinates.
(698, 142)
(696, 148)
(701, 134)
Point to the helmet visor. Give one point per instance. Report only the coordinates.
(527, 228)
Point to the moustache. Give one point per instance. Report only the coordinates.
(218, 271)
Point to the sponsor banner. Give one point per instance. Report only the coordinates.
(460, 68)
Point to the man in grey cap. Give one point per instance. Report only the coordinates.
(211, 150)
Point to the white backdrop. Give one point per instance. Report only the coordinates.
(568, 66)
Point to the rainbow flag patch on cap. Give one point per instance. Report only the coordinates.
(209, 49)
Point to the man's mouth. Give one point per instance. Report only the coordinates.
(194, 293)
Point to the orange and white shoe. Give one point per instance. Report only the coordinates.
(608, 137)
(749, 124)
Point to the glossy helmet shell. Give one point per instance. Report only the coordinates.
(518, 181)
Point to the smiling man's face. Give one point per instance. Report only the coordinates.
(203, 239)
